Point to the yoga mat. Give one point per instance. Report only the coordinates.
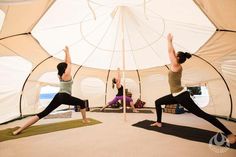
(108, 110)
(185, 132)
(61, 114)
(6, 134)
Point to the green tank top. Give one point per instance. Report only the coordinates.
(66, 86)
(175, 81)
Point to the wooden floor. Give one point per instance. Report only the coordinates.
(114, 138)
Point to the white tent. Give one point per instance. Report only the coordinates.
(33, 34)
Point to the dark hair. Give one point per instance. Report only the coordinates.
(113, 82)
(182, 56)
(61, 67)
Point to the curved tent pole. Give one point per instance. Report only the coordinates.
(28, 33)
(106, 85)
(231, 101)
(27, 80)
(32, 71)
(139, 80)
(77, 71)
(167, 67)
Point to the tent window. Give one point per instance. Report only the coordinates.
(131, 85)
(49, 87)
(92, 85)
(199, 95)
(2, 18)
(46, 95)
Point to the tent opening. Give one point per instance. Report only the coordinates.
(46, 95)
(199, 95)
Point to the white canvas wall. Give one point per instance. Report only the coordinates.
(37, 31)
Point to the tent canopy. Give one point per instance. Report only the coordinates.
(94, 31)
(34, 32)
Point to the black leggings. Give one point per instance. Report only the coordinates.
(61, 98)
(186, 101)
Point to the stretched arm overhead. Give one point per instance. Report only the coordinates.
(175, 66)
(67, 75)
(67, 55)
(118, 78)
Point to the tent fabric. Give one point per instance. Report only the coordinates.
(35, 32)
(217, 14)
(24, 50)
(97, 43)
(16, 14)
(10, 92)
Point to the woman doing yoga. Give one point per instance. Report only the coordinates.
(62, 97)
(119, 95)
(180, 95)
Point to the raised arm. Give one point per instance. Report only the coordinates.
(67, 55)
(67, 74)
(118, 78)
(172, 55)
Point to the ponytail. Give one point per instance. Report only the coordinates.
(61, 67)
(187, 55)
(182, 56)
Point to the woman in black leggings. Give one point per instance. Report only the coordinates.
(62, 97)
(180, 95)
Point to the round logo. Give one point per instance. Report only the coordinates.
(219, 143)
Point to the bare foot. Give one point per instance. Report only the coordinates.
(156, 124)
(16, 132)
(231, 138)
(136, 111)
(102, 109)
(85, 121)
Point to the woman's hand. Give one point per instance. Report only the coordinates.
(170, 37)
(66, 49)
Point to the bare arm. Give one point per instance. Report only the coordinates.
(67, 74)
(172, 55)
(67, 55)
(50, 84)
(118, 78)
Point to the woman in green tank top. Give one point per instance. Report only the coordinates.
(179, 95)
(62, 97)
